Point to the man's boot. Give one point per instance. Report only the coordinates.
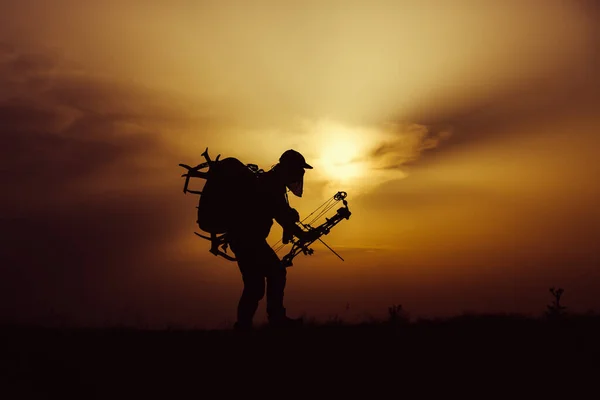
(286, 322)
(281, 320)
(240, 326)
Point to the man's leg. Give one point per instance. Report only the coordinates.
(276, 281)
(254, 288)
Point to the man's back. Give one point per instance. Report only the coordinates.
(259, 206)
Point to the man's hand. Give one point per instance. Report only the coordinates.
(309, 236)
(301, 234)
(294, 215)
(287, 236)
(288, 222)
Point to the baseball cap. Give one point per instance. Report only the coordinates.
(293, 158)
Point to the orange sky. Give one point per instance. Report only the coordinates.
(464, 132)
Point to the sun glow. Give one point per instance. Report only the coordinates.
(341, 152)
(338, 161)
(343, 155)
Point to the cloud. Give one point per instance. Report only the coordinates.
(90, 181)
(447, 96)
(542, 94)
(407, 146)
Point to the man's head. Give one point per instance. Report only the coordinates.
(292, 165)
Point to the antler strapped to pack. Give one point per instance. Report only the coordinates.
(219, 244)
(194, 172)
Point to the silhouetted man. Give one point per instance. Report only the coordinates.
(267, 200)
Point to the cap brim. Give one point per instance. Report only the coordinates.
(306, 166)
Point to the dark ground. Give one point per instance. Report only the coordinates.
(468, 356)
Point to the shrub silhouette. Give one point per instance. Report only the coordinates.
(555, 309)
(397, 315)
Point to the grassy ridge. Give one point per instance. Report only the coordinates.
(102, 361)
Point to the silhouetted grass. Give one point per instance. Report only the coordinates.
(96, 361)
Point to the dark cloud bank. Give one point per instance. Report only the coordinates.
(85, 199)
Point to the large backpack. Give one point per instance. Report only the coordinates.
(227, 182)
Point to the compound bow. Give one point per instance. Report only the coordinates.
(302, 245)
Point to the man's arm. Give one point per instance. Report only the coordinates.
(287, 217)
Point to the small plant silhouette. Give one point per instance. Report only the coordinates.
(555, 309)
(334, 320)
(397, 315)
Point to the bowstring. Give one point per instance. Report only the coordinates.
(317, 209)
(323, 212)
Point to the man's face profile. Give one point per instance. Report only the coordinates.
(295, 180)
